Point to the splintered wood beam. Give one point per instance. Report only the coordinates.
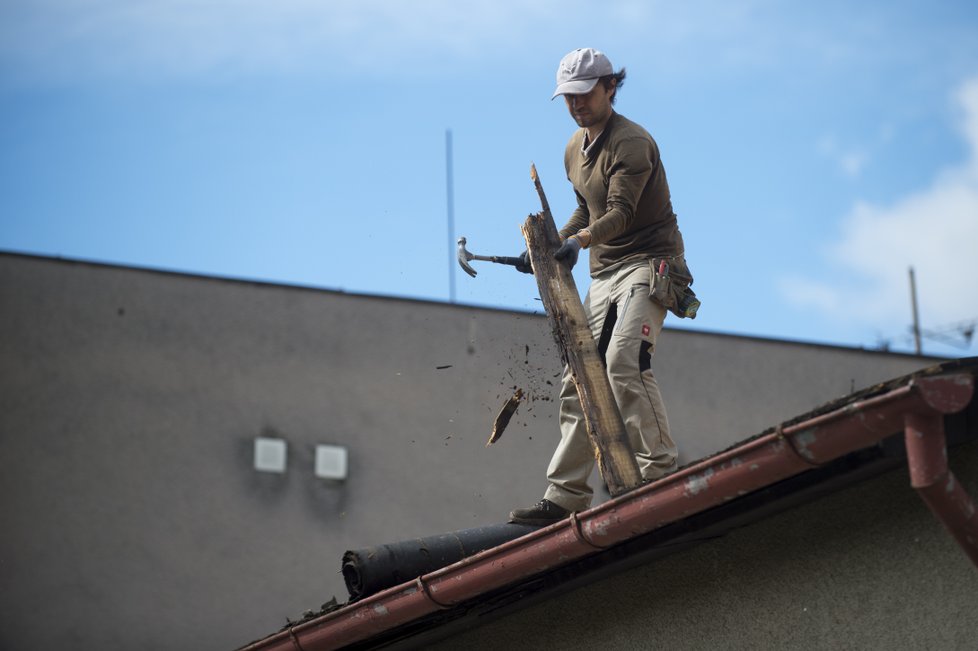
(578, 350)
(504, 416)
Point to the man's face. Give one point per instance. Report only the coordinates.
(592, 108)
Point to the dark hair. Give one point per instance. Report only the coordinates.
(619, 78)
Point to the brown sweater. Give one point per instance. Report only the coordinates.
(622, 195)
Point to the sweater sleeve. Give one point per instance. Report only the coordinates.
(579, 218)
(630, 170)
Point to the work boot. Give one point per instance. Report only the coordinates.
(540, 514)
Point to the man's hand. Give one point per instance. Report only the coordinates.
(524, 264)
(569, 251)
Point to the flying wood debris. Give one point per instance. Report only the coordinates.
(502, 418)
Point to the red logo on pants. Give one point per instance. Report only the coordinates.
(645, 330)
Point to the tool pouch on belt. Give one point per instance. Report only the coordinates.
(671, 279)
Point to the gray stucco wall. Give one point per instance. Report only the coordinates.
(866, 568)
(130, 400)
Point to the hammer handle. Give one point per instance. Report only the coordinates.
(500, 259)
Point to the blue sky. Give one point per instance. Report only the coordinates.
(815, 151)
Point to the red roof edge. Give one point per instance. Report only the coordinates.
(916, 407)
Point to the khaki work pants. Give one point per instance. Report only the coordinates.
(625, 323)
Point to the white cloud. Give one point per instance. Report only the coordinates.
(934, 230)
(59, 38)
(851, 161)
(811, 293)
(967, 99)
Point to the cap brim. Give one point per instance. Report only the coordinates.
(576, 87)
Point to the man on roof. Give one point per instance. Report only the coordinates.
(624, 219)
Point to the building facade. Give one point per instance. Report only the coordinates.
(131, 401)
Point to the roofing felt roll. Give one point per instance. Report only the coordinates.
(370, 570)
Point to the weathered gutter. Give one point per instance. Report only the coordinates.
(936, 484)
(917, 408)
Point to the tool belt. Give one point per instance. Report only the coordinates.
(670, 287)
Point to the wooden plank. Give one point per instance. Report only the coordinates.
(504, 416)
(558, 291)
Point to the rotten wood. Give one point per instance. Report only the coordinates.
(558, 291)
(504, 416)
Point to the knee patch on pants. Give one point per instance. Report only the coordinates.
(645, 356)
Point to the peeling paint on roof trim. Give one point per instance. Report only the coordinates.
(699, 483)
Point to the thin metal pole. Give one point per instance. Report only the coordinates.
(452, 254)
(916, 317)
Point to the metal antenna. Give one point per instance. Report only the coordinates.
(962, 332)
(452, 252)
(916, 317)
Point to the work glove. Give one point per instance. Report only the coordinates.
(524, 264)
(569, 251)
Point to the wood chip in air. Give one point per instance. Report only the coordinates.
(504, 415)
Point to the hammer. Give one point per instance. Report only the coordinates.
(464, 256)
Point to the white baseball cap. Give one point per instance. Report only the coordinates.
(580, 70)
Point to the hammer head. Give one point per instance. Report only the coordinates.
(464, 257)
